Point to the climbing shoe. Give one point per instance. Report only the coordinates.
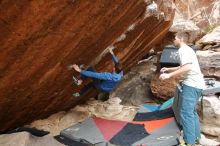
(76, 94)
(77, 81)
(182, 142)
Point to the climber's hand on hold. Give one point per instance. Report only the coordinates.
(76, 68)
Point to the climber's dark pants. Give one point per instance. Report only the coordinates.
(94, 84)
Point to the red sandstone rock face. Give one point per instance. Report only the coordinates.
(164, 89)
(39, 39)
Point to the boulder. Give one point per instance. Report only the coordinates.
(204, 13)
(164, 89)
(209, 63)
(211, 38)
(211, 115)
(215, 13)
(40, 39)
(181, 24)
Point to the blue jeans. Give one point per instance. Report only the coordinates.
(188, 116)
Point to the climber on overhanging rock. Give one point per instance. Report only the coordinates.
(104, 82)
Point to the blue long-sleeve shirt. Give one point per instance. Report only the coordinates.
(108, 80)
(115, 59)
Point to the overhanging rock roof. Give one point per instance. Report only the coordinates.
(39, 39)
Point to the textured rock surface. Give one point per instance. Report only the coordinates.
(195, 17)
(209, 63)
(211, 122)
(209, 59)
(215, 14)
(134, 89)
(205, 141)
(181, 24)
(111, 109)
(164, 89)
(26, 139)
(204, 13)
(211, 38)
(39, 39)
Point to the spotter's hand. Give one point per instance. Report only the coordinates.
(164, 76)
(163, 70)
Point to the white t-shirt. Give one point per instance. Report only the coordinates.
(194, 77)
